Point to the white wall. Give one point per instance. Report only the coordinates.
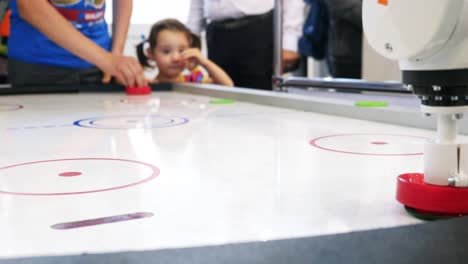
(150, 11)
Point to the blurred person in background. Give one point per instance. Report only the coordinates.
(239, 35)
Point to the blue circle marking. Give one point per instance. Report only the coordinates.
(129, 121)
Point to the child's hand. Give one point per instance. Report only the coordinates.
(126, 70)
(193, 57)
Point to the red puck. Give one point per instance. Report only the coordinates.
(413, 192)
(138, 90)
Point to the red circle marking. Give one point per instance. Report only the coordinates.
(314, 142)
(70, 174)
(154, 174)
(379, 143)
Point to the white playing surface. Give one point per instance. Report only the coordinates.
(225, 173)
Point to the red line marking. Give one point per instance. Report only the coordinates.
(70, 174)
(379, 143)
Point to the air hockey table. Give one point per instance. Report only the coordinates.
(208, 174)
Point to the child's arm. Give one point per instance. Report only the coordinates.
(122, 12)
(42, 15)
(218, 75)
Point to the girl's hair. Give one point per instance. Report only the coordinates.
(166, 24)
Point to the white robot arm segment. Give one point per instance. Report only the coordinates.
(410, 29)
(429, 38)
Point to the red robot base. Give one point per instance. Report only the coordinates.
(429, 201)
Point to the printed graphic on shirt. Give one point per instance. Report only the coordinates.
(194, 76)
(64, 3)
(81, 11)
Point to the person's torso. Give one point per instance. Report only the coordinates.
(29, 45)
(345, 41)
(216, 10)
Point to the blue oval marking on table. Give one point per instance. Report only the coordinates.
(171, 121)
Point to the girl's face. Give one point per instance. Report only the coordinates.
(168, 53)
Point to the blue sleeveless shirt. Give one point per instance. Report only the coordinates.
(27, 44)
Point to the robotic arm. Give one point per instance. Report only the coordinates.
(429, 38)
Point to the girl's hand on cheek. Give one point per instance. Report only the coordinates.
(191, 64)
(193, 56)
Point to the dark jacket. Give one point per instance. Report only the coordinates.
(345, 32)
